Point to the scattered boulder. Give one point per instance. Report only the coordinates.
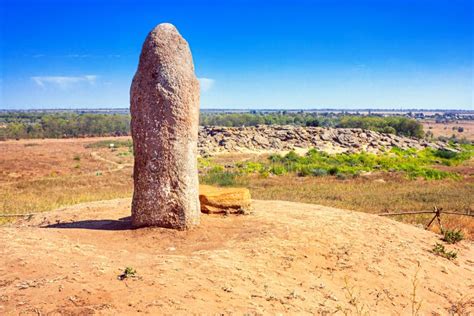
(217, 200)
(165, 113)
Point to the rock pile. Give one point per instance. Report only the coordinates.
(214, 140)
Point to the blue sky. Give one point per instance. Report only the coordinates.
(248, 54)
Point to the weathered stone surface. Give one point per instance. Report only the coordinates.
(224, 200)
(214, 139)
(165, 114)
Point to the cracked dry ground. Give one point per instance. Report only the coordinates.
(284, 257)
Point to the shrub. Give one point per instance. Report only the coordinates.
(218, 176)
(319, 172)
(441, 251)
(304, 171)
(275, 158)
(333, 171)
(452, 236)
(389, 130)
(251, 167)
(264, 173)
(446, 154)
(292, 156)
(278, 170)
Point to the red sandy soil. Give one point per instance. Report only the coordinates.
(29, 159)
(283, 258)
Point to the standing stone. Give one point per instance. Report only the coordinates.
(165, 114)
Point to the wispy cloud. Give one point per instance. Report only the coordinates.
(63, 81)
(206, 83)
(78, 55)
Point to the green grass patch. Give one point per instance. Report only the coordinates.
(414, 164)
(219, 176)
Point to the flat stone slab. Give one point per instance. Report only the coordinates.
(218, 200)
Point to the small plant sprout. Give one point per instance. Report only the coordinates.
(129, 272)
(353, 298)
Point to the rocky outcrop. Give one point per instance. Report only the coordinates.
(165, 113)
(218, 200)
(214, 140)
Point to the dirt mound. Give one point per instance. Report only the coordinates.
(284, 257)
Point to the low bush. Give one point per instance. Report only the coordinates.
(278, 170)
(452, 236)
(218, 176)
(441, 251)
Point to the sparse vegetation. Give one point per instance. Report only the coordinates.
(218, 176)
(127, 273)
(111, 144)
(374, 191)
(452, 236)
(462, 307)
(354, 300)
(412, 163)
(440, 250)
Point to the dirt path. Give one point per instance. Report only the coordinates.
(117, 165)
(285, 257)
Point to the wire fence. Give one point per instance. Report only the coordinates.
(436, 212)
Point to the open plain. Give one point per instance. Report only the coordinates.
(283, 257)
(43, 175)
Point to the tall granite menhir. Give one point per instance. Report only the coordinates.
(165, 113)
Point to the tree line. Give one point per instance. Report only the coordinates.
(62, 125)
(398, 125)
(17, 125)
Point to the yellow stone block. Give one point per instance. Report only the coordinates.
(216, 200)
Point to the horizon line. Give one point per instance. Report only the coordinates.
(249, 109)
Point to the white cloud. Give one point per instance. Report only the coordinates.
(206, 83)
(79, 55)
(63, 81)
